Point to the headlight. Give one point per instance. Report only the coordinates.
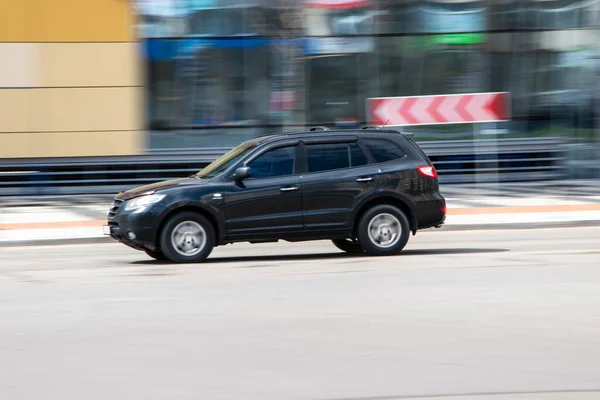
(143, 201)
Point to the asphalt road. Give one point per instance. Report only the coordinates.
(463, 314)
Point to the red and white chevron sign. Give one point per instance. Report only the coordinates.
(439, 109)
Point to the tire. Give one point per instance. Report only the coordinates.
(348, 245)
(194, 234)
(390, 231)
(157, 255)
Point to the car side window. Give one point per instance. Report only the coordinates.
(274, 163)
(327, 157)
(357, 156)
(384, 150)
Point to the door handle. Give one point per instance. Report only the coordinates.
(288, 189)
(367, 179)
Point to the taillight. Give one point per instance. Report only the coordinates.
(428, 171)
(443, 209)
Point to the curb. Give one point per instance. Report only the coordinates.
(519, 226)
(523, 209)
(57, 242)
(450, 212)
(53, 225)
(445, 228)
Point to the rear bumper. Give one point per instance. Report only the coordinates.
(431, 213)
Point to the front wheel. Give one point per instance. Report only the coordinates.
(348, 245)
(383, 231)
(187, 237)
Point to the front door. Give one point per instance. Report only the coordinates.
(267, 205)
(338, 176)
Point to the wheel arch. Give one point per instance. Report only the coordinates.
(214, 221)
(388, 199)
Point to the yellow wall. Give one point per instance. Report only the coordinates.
(70, 80)
(66, 21)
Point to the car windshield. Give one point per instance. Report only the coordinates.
(227, 160)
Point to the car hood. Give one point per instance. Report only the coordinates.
(139, 191)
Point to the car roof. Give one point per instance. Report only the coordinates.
(323, 133)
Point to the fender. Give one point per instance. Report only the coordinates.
(400, 197)
(206, 208)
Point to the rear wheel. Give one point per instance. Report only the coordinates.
(348, 245)
(383, 231)
(157, 255)
(188, 237)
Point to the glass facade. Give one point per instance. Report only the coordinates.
(223, 71)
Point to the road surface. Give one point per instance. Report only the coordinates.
(465, 314)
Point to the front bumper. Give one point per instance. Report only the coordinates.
(138, 230)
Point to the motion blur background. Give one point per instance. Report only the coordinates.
(168, 78)
(98, 96)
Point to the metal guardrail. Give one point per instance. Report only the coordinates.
(456, 161)
(96, 175)
(502, 160)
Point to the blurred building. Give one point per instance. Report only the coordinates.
(221, 70)
(216, 72)
(70, 81)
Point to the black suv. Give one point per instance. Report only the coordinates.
(366, 190)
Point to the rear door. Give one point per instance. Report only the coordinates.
(337, 176)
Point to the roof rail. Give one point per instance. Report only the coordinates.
(318, 128)
(410, 135)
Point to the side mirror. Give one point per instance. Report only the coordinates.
(241, 173)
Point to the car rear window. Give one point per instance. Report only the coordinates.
(420, 150)
(384, 150)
